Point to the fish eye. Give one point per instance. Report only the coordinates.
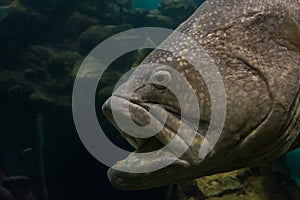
(160, 79)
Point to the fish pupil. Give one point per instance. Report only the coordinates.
(160, 78)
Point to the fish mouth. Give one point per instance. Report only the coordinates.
(138, 114)
(134, 172)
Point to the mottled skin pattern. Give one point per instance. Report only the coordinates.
(256, 46)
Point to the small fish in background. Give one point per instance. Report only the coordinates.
(8, 6)
(23, 153)
(26, 152)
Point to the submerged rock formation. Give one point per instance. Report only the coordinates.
(269, 182)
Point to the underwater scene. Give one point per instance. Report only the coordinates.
(63, 139)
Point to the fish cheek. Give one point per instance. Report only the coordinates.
(151, 94)
(291, 30)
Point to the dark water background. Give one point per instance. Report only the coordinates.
(42, 44)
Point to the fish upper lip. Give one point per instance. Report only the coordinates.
(145, 106)
(106, 109)
(167, 126)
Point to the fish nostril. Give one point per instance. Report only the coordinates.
(142, 97)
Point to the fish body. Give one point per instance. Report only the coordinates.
(256, 46)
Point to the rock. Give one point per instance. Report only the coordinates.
(128, 4)
(46, 77)
(179, 10)
(158, 20)
(52, 6)
(117, 11)
(215, 185)
(5, 194)
(76, 24)
(55, 62)
(20, 187)
(36, 74)
(134, 14)
(91, 8)
(96, 34)
(18, 31)
(13, 88)
(270, 182)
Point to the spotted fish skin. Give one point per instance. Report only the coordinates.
(256, 47)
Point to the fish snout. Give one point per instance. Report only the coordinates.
(106, 106)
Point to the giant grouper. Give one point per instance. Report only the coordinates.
(255, 45)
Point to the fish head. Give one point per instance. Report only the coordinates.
(157, 110)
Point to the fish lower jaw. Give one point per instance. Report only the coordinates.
(137, 163)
